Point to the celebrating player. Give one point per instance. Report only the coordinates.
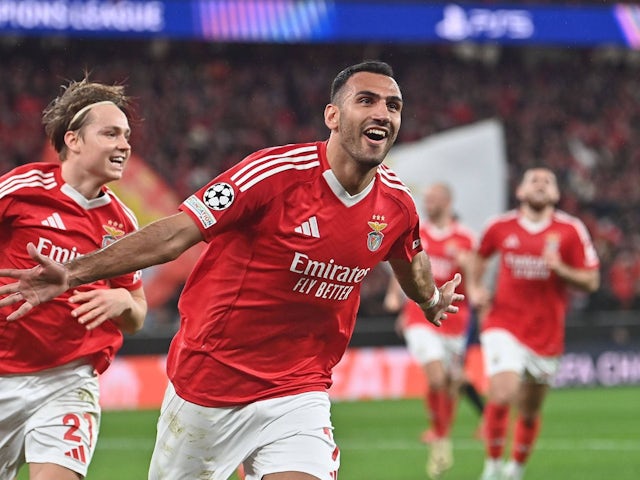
(50, 358)
(543, 252)
(439, 351)
(269, 309)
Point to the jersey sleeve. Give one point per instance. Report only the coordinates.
(488, 242)
(408, 244)
(130, 281)
(579, 252)
(5, 199)
(240, 195)
(9, 183)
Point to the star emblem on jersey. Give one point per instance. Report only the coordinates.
(219, 196)
(374, 238)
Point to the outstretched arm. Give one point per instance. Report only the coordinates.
(417, 282)
(158, 242)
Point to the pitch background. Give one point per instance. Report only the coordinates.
(587, 434)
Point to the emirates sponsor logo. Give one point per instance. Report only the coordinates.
(327, 280)
(55, 252)
(530, 267)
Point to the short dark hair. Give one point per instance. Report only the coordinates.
(372, 66)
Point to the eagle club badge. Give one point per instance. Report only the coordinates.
(374, 238)
(114, 231)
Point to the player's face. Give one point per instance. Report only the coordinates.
(368, 116)
(538, 189)
(436, 202)
(104, 143)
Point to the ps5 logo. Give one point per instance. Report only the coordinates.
(460, 24)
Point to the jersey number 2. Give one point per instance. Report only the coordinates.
(73, 421)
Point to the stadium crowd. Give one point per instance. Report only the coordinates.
(205, 106)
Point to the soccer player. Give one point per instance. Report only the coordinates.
(268, 311)
(50, 359)
(543, 253)
(439, 351)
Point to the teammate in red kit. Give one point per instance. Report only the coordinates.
(439, 351)
(270, 307)
(543, 252)
(50, 358)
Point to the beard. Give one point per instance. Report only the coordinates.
(539, 205)
(364, 154)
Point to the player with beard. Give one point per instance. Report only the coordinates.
(270, 307)
(543, 253)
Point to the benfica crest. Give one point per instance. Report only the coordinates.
(114, 231)
(374, 238)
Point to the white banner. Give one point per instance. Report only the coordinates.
(471, 159)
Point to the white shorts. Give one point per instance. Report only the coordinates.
(427, 345)
(503, 352)
(52, 416)
(292, 433)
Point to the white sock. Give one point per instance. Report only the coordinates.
(493, 465)
(514, 469)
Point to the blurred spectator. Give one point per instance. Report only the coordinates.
(624, 278)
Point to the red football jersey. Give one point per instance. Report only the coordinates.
(530, 301)
(270, 307)
(443, 245)
(37, 206)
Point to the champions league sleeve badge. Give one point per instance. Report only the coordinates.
(218, 196)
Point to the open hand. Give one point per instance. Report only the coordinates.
(36, 285)
(448, 296)
(94, 307)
